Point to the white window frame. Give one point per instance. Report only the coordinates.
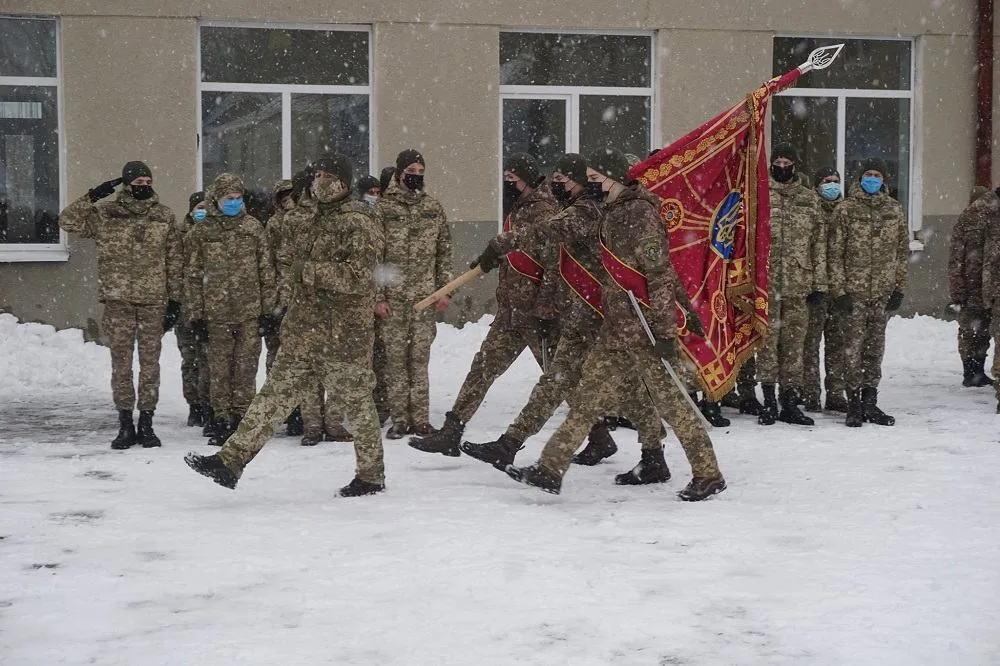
(914, 213)
(287, 90)
(572, 94)
(39, 252)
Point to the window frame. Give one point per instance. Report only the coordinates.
(914, 212)
(43, 252)
(287, 90)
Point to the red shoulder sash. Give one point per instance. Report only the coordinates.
(626, 277)
(522, 262)
(579, 279)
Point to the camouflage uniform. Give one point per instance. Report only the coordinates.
(418, 261)
(989, 207)
(868, 261)
(230, 284)
(194, 353)
(139, 268)
(797, 267)
(965, 277)
(328, 332)
(824, 323)
(273, 229)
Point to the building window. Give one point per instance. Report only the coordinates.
(275, 98)
(860, 107)
(575, 93)
(30, 185)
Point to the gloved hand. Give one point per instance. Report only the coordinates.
(488, 260)
(267, 325)
(844, 303)
(895, 300)
(815, 298)
(693, 323)
(200, 329)
(170, 315)
(105, 189)
(665, 348)
(954, 308)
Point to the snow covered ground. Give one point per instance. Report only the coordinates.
(831, 546)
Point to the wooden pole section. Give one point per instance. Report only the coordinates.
(984, 90)
(464, 278)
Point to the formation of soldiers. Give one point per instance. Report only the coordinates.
(330, 278)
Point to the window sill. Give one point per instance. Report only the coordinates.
(27, 253)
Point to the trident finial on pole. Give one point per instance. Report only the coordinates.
(821, 58)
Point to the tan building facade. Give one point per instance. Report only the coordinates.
(260, 87)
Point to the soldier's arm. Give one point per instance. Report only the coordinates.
(957, 288)
(175, 262)
(821, 279)
(835, 252)
(902, 252)
(194, 275)
(653, 258)
(265, 272)
(80, 217)
(443, 253)
(351, 271)
(991, 253)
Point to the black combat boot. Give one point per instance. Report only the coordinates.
(968, 371)
(790, 412)
(445, 441)
(979, 376)
(311, 438)
(872, 414)
(731, 400)
(812, 403)
(357, 488)
(213, 467)
(145, 434)
(748, 400)
(652, 468)
(855, 410)
(836, 402)
(398, 430)
(701, 487)
(600, 445)
(499, 453)
(769, 411)
(208, 430)
(223, 430)
(712, 412)
(195, 417)
(294, 427)
(537, 476)
(126, 430)
(338, 433)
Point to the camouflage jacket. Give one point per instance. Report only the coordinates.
(229, 273)
(797, 260)
(282, 240)
(965, 260)
(417, 245)
(574, 229)
(140, 258)
(517, 294)
(331, 312)
(634, 233)
(991, 257)
(871, 246)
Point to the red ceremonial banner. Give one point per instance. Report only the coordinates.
(713, 189)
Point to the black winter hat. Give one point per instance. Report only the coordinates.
(195, 199)
(872, 164)
(408, 157)
(609, 162)
(385, 177)
(573, 166)
(784, 150)
(524, 167)
(133, 170)
(338, 165)
(366, 183)
(825, 172)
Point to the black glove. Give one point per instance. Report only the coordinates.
(665, 348)
(954, 308)
(200, 329)
(895, 300)
(815, 298)
(267, 325)
(170, 315)
(844, 303)
(105, 189)
(488, 260)
(693, 322)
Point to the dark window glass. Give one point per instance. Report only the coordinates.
(328, 123)
(537, 127)
(866, 64)
(27, 47)
(274, 55)
(879, 128)
(241, 134)
(29, 165)
(808, 124)
(615, 122)
(553, 59)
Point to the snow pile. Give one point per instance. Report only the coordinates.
(36, 358)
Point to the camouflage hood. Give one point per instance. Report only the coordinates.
(224, 185)
(876, 201)
(398, 192)
(133, 205)
(281, 187)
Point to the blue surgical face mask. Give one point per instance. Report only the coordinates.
(830, 191)
(199, 214)
(232, 207)
(871, 184)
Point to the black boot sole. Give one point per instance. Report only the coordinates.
(224, 478)
(592, 459)
(418, 443)
(517, 474)
(496, 461)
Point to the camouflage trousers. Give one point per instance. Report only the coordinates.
(496, 354)
(408, 336)
(607, 376)
(746, 379)
(271, 343)
(233, 356)
(995, 332)
(292, 377)
(318, 410)
(380, 365)
(825, 324)
(194, 366)
(973, 333)
(864, 333)
(128, 325)
(779, 361)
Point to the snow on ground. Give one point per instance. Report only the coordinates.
(831, 546)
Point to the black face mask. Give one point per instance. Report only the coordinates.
(594, 190)
(510, 190)
(559, 191)
(141, 192)
(782, 174)
(413, 181)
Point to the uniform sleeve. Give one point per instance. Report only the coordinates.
(266, 273)
(957, 288)
(835, 253)
(821, 277)
(902, 253)
(652, 257)
(991, 255)
(352, 269)
(175, 262)
(443, 254)
(194, 275)
(381, 271)
(80, 217)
